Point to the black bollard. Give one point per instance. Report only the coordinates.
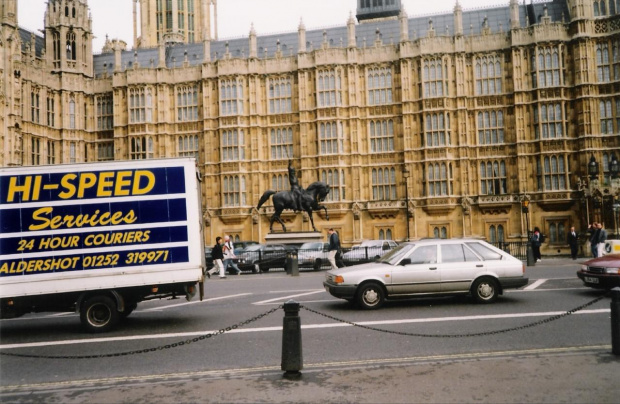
(530, 255)
(615, 321)
(292, 358)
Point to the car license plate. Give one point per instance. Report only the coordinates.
(590, 279)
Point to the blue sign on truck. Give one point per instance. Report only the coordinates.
(120, 230)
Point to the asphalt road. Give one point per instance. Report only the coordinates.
(243, 365)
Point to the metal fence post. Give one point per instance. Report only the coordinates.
(292, 358)
(615, 321)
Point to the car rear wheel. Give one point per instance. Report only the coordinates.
(370, 296)
(318, 263)
(485, 290)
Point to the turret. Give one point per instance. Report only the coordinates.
(68, 36)
(514, 14)
(8, 12)
(404, 25)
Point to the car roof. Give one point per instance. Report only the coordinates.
(445, 240)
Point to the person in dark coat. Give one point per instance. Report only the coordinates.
(535, 241)
(218, 255)
(573, 241)
(334, 247)
(594, 234)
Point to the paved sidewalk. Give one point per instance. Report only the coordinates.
(561, 375)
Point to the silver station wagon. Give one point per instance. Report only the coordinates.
(429, 267)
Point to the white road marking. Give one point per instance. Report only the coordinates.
(192, 302)
(282, 298)
(308, 326)
(535, 284)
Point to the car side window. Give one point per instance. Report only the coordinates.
(424, 255)
(452, 253)
(486, 253)
(469, 255)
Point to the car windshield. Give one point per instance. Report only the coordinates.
(394, 256)
(253, 247)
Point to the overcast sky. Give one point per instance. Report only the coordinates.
(115, 17)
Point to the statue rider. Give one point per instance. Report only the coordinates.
(295, 188)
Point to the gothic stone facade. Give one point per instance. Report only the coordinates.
(423, 127)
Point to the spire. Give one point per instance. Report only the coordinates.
(301, 37)
(458, 19)
(253, 46)
(351, 43)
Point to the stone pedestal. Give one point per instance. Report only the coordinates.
(294, 238)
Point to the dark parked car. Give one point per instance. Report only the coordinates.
(240, 246)
(602, 272)
(262, 257)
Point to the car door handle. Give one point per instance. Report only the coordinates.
(432, 268)
(479, 266)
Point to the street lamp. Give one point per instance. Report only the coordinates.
(406, 177)
(525, 208)
(593, 169)
(613, 167)
(616, 211)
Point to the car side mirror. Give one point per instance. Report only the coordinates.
(405, 261)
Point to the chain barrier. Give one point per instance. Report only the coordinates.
(475, 334)
(147, 350)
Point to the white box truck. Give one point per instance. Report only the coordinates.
(99, 238)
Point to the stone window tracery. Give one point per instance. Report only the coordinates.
(490, 127)
(379, 82)
(140, 105)
(233, 145)
(329, 88)
(493, 178)
(437, 129)
(488, 72)
(330, 137)
(280, 95)
(381, 136)
(234, 191)
(187, 103)
(231, 97)
(141, 147)
(383, 184)
(188, 146)
(439, 179)
(548, 121)
(433, 77)
(335, 179)
(281, 143)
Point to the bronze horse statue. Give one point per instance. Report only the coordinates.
(309, 200)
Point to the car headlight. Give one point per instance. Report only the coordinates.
(612, 270)
(338, 279)
(584, 267)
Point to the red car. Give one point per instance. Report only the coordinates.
(602, 272)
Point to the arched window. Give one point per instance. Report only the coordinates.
(71, 52)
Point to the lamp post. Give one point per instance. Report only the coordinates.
(593, 169)
(406, 177)
(615, 186)
(616, 212)
(529, 252)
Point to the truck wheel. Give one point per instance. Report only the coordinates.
(99, 314)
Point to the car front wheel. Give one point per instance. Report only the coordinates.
(370, 296)
(485, 290)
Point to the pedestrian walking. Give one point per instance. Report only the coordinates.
(573, 242)
(218, 256)
(602, 238)
(229, 255)
(594, 232)
(536, 241)
(334, 247)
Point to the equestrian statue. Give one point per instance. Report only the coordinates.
(297, 199)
